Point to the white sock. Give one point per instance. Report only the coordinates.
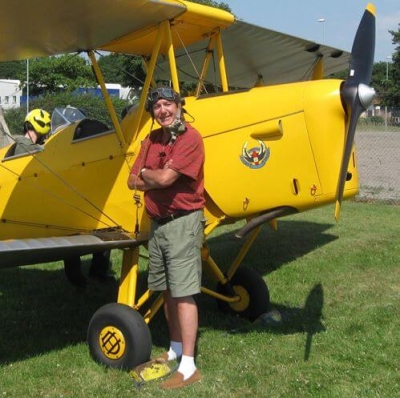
(187, 366)
(175, 350)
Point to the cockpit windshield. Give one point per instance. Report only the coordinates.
(63, 116)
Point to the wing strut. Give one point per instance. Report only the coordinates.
(107, 99)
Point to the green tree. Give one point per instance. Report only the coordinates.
(381, 83)
(58, 73)
(12, 69)
(93, 106)
(112, 67)
(124, 69)
(393, 92)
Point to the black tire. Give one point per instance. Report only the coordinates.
(252, 289)
(118, 337)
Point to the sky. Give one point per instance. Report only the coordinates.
(300, 18)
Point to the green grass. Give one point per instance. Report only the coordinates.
(336, 286)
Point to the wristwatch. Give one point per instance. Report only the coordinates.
(141, 172)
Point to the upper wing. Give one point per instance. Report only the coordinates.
(48, 27)
(128, 26)
(252, 52)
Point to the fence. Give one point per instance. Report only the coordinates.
(378, 156)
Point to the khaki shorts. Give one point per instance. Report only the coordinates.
(175, 255)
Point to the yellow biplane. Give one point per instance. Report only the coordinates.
(278, 138)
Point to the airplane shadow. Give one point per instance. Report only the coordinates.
(41, 312)
(307, 320)
(292, 240)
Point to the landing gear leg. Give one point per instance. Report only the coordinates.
(73, 271)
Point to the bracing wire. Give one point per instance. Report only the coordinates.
(69, 186)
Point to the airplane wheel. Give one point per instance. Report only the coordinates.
(119, 337)
(253, 292)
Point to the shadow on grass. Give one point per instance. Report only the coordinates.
(282, 320)
(41, 311)
(272, 249)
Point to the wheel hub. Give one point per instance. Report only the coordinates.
(112, 342)
(244, 301)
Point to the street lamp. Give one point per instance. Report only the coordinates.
(387, 80)
(27, 86)
(322, 20)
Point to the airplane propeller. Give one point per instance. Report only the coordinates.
(356, 94)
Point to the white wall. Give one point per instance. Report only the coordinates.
(10, 93)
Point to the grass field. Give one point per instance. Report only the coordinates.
(336, 287)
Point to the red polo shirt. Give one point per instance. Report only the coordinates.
(187, 155)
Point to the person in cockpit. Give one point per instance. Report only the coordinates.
(36, 127)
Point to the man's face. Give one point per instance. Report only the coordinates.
(165, 112)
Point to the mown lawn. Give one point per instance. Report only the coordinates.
(336, 287)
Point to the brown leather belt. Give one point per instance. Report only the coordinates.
(171, 217)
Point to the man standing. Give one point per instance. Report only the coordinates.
(169, 169)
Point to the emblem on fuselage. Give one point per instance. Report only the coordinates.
(256, 157)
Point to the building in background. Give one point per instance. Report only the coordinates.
(10, 94)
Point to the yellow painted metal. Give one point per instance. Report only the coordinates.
(193, 25)
(301, 168)
(244, 299)
(152, 311)
(129, 277)
(143, 299)
(107, 99)
(371, 8)
(318, 71)
(171, 56)
(214, 271)
(112, 342)
(212, 17)
(211, 226)
(147, 82)
(150, 370)
(84, 180)
(222, 67)
(87, 184)
(337, 210)
(243, 251)
(219, 296)
(206, 63)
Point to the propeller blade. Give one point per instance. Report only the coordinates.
(356, 94)
(363, 50)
